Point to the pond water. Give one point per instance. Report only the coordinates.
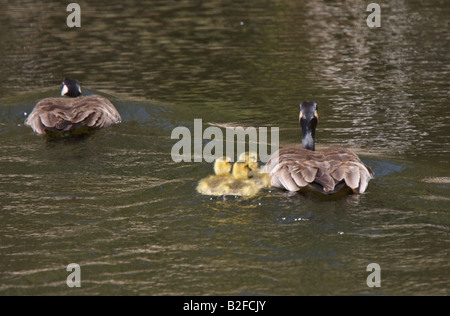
(118, 205)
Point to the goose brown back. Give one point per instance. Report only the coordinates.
(65, 114)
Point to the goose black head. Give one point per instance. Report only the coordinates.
(71, 88)
(308, 118)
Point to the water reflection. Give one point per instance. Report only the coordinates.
(249, 60)
(119, 206)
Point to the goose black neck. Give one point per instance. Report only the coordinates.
(308, 137)
(308, 120)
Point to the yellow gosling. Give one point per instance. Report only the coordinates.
(261, 179)
(213, 185)
(240, 185)
(251, 158)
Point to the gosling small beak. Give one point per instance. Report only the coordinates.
(316, 114)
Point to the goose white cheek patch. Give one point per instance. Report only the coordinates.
(64, 90)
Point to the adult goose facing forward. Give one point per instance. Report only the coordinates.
(68, 113)
(327, 171)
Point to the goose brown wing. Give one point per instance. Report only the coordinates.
(291, 169)
(326, 170)
(64, 114)
(346, 166)
(95, 111)
(48, 114)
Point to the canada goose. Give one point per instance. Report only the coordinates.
(327, 170)
(213, 185)
(67, 113)
(260, 178)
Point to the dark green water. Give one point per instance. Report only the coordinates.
(116, 203)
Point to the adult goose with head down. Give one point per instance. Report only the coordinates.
(327, 170)
(72, 111)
